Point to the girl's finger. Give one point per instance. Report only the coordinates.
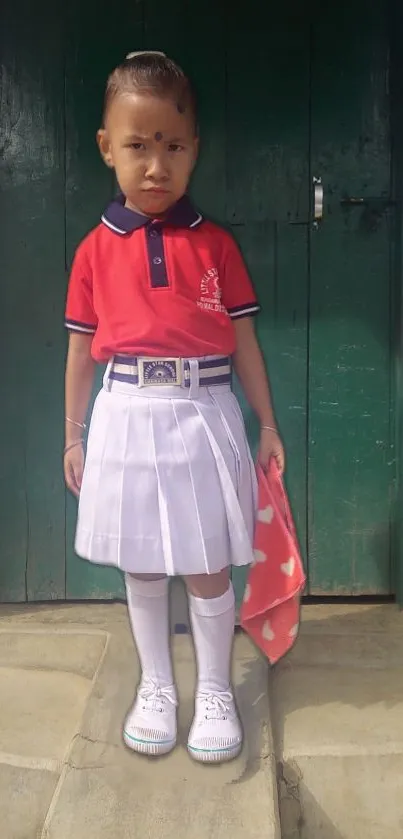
(280, 461)
(71, 480)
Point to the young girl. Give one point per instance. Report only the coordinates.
(168, 488)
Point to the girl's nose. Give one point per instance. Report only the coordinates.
(157, 168)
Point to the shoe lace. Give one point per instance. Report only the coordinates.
(155, 697)
(216, 705)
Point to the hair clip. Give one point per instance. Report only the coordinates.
(144, 52)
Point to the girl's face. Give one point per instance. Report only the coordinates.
(153, 149)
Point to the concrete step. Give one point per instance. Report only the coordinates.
(68, 676)
(337, 703)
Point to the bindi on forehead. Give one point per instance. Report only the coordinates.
(158, 136)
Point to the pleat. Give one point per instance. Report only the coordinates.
(99, 514)
(168, 485)
(247, 489)
(237, 518)
(140, 531)
(181, 533)
(206, 548)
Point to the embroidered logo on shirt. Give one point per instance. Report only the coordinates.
(210, 292)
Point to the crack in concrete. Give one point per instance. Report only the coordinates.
(292, 821)
(70, 764)
(87, 739)
(92, 766)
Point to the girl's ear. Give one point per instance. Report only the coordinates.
(104, 147)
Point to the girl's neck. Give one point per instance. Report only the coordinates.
(134, 209)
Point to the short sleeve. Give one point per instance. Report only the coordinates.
(80, 315)
(238, 295)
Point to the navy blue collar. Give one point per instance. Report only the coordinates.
(122, 220)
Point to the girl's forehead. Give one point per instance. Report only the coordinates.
(148, 112)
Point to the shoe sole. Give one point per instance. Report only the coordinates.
(219, 756)
(147, 747)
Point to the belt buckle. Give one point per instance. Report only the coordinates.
(156, 372)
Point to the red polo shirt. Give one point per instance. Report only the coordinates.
(153, 288)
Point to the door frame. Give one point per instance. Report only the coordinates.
(396, 131)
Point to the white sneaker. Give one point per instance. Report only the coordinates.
(216, 733)
(150, 727)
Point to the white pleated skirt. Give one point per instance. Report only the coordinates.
(169, 485)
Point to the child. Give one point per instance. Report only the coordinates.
(169, 487)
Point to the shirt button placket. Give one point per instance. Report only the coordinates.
(156, 256)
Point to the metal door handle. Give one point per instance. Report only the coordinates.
(317, 201)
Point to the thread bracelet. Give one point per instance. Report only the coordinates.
(72, 445)
(78, 424)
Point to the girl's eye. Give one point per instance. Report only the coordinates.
(137, 146)
(175, 147)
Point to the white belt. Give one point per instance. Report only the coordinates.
(153, 372)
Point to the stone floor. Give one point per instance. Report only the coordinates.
(68, 675)
(324, 734)
(337, 719)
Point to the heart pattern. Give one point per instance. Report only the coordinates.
(288, 567)
(266, 514)
(260, 556)
(267, 632)
(270, 610)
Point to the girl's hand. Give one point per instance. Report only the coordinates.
(74, 467)
(271, 446)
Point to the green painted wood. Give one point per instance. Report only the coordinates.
(267, 112)
(276, 257)
(351, 460)
(208, 186)
(266, 100)
(32, 509)
(267, 199)
(396, 92)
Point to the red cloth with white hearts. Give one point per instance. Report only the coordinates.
(271, 605)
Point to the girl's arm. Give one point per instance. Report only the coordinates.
(250, 369)
(80, 369)
(79, 379)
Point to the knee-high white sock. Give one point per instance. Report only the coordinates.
(213, 623)
(148, 606)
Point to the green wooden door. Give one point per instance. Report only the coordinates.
(287, 91)
(32, 277)
(307, 107)
(268, 140)
(351, 467)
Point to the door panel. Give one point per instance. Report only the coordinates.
(286, 92)
(267, 63)
(276, 255)
(351, 469)
(267, 207)
(32, 496)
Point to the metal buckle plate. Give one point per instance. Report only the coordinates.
(154, 372)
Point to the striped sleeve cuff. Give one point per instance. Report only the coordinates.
(247, 310)
(77, 326)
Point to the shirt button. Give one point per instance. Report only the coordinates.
(157, 260)
(154, 234)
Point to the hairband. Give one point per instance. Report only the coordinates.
(144, 52)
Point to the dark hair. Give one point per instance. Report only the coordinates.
(154, 73)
